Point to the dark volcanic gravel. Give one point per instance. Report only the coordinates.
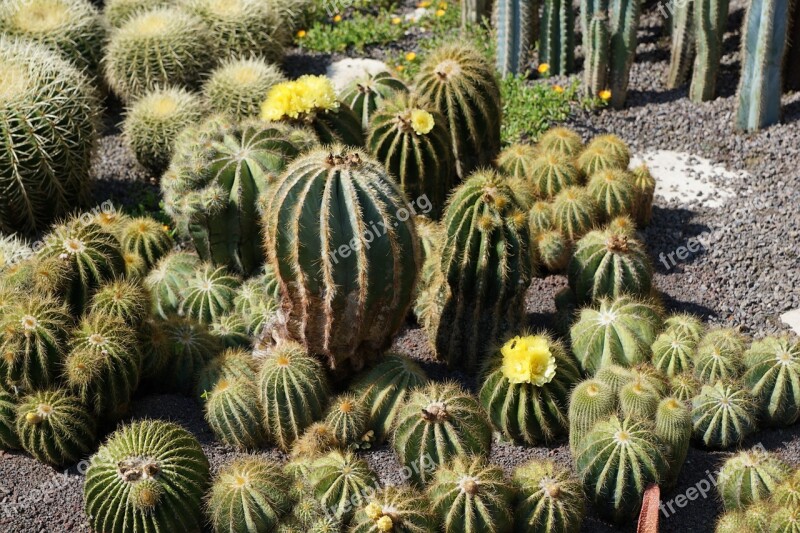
(747, 277)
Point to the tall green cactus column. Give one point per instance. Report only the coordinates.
(590, 8)
(711, 19)
(624, 24)
(515, 22)
(473, 11)
(682, 50)
(595, 70)
(791, 66)
(766, 27)
(557, 40)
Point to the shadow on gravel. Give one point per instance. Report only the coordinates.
(669, 230)
(674, 305)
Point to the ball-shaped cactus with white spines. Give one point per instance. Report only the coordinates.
(237, 87)
(773, 376)
(723, 415)
(750, 477)
(549, 498)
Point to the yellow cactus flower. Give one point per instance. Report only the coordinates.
(337, 18)
(411, 56)
(424, 4)
(384, 523)
(421, 121)
(396, 20)
(373, 511)
(558, 88)
(544, 68)
(442, 5)
(605, 95)
(440, 12)
(528, 360)
(294, 98)
(301, 34)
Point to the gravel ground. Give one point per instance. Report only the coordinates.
(746, 277)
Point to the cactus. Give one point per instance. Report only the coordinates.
(613, 191)
(673, 425)
(437, 423)
(116, 12)
(624, 25)
(682, 49)
(617, 153)
(155, 350)
(622, 224)
(473, 488)
(234, 413)
(719, 355)
(45, 169)
(562, 141)
(549, 499)
(638, 401)
(616, 377)
(526, 389)
(552, 250)
(485, 268)
(516, 160)
(318, 439)
(365, 95)
(294, 392)
(461, 85)
(168, 281)
(431, 237)
(764, 44)
(150, 473)
(673, 353)
(54, 427)
(47, 277)
(231, 364)
(785, 520)
(574, 212)
(685, 324)
(237, 87)
(33, 335)
(551, 173)
(157, 48)
(557, 39)
(397, 509)
(13, 250)
(723, 415)
(597, 45)
(787, 494)
(192, 347)
(8, 415)
(348, 263)
(209, 293)
(473, 12)
(127, 301)
(750, 477)
(153, 122)
(590, 402)
(249, 494)
(684, 386)
(411, 140)
(644, 187)
(773, 377)
(710, 23)
(231, 328)
(540, 218)
(515, 22)
(147, 238)
(256, 300)
(347, 419)
(340, 481)
(616, 461)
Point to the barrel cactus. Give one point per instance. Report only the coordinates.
(150, 473)
(236, 88)
(232, 330)
(340, 482)
(231, 364)
(590, 402)
(540, 218)
(347, 419)
(365, 95)
(750, 477)
(720, 355)
(723, 415)
(209, 293)
(116, 12)
(234, 413)
(614, 192)
(575, 212)
(562, 141)
(684, 386)
(397, 509)
(673, 424)
(549, 499)
(773, 378)
(673, 353)
(256, 300)
(644, 187)
(685, 324)
(8, 415)
(147, 238)
(551, 173)
(637, 401)
(516, 160)
(168, 281)
(191, 347)
(551, 250)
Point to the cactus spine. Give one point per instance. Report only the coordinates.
(773, 377)
(364, 96)
(624, 28)
(516, 160)
(515, 24)
(644, 188)
(682, 50)
(711, 21)
(557, 39)
(722, 415)
(719, 355)
(234, 413)
(750, 477)
(232, 364)
(146, 238)
(598, 50)
(549, 499)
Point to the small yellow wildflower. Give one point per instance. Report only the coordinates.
(337, 18)
(605, 95)
(528, 360)
(301, 34)
(396, 20)
(442, 5)
(544, 68)
(373, 511)
(385, 523)
(558, 88)
(424, 4)
(400, 68)
(440, 13)
(411, 56)
(165, 227)
(421, 121)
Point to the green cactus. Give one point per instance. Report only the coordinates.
(437, 423)
(710, 24)
(516, 160)
(552, 251)
(485, 267)
(673, 425)
(147, 238)
(45, 169)
(54, 427)
(561, 141)
(616, 376)
(723, 415)
(575, 212)
(651, 377)
(209, 293)
(644, 187)
(168, 281)
(347, 419)
(461, 85)
(624, 25)
(123, 300)
(549, 499)
(526, 389)
(474, 11)
(340, 482)
(249, 494)
(365, 95)
(35, 275)
(397, 509)
(787, 494)
(614, 192)
(773, 377)
(750, 477)
(515, 23)
(685, 324)
(540, 218)
(8, 415)
(470, 495)
(257, 300)
(719, 355)
(616, 461)
(557, 38)
(597, 45)
(231, 364)
(551, 173)
(149, 476)
(431, 237)
(231, 328)
(116, 12)
(348, 263)
(410, 138)
(638, 401)
(785, 520)
(682, 49)
(155, 350)
(684, 386)
(622, 224)
(191, 347)
(590, 402)
(234, 413)
(318, 439)
(615, 149)
(673, 353)
(236, 88)
(294, 392)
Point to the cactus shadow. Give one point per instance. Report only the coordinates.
(672, 304)
(669, 230)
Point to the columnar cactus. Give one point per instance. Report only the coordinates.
(598, 49)
(673, 353)
(561, 141)
(575, 212)
(8, 415)
(209, 293)
(644, 186)
(234, 413)
(149, 476)
(54, 427)
(710, 23)
(168, 281)
(773, 377)
(549, 499)
(294, 392)
(347, 419)
(437, 423)
(550, 173)
(614, 192)
(48, 126)
(515, 22)
(249, 494)
(397, 509)
(191, 347)
(590, 402)
(750, 477)
(340, 482)
(616, 461)
(526, 389)
(485, 267)
(682, 49)
(365, 95)
(461, 85)
(236, 88)
(411, 139)
(719, 355)
(673, 424)
(624, 23)
(723, 415)
(470, 495)
(347, 298)
(557, 38)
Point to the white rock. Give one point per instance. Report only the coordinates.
(417, 14)
(344, 72)
(792, 319)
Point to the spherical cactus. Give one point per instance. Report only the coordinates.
(150, 473)
(644, 187)
(362, 242)
(157, 48)
(236, 88)
(773, 377)
(673, 353)
(786, 520)
(637, 401)
(410, 138)
(615, 376)
(719, 356)
(552, 250)
(590, 402)
(37, 275)
(54, 427)
(396, 509)
(723, 415)
(607, 264)
(318, 439)
(257, 300)
(384, 388)
(552, 173)
(13, 250)
(294, 392)
(192, 346)
(616, 461)
(169, 280)
(485, 268)
(561, 141)
(231, 364)
(33, 337)
(685, 324)
(614, 147)
(549, 499)
(619, 331)
(234, 413)
(116, 12)
(684, 386)
(516, 161)
(540, 218)
(365, 95)
(461, 85)
(526, 389)
(652, 378)
(439, 422)
(209, 293)
(347, 419)
(311, 101)
(750, 477)
(613, 191)
(154, 121)
(147, 238)
(470, 495)
(247, 495)
(155, 350)
(8, 415)
(128, 301)
(673, 424)
(231, 329)
(787, 494)
(45, 165)
(340, 482)
(574, 212)
(756, 518)
(622, 224)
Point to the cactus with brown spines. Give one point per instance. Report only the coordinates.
(723, 415)
(720, 355)
(673, 424)
(317, 439)
(552, 250)
(8, 416)
(551, 173)
(685, 386)
(673, 353)
(232, 363)
(169, 280)
(347, 419)
(622, 224)
(614, 147)
(561, 141)
(397, 509)
(340, 481)
(234, 413)
(209, 293)
(125, 300)
(613, 191)
(366, 94)
(750, 477)
(644, 187)
(590, 402)
(540, 218)
(36, 275)
(575, 212)
(549, 498)
(516, 160)
(236, 88)
(191, 347)
(773, 377)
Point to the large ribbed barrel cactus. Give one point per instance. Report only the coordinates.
(341, 239)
